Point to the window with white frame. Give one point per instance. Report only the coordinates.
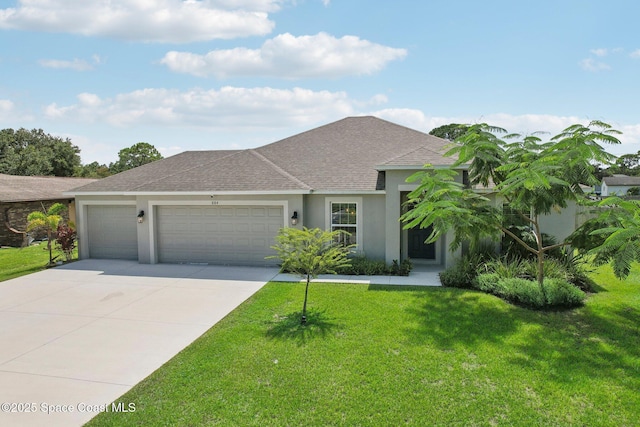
(344, 216)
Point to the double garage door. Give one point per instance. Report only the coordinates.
(234, 235)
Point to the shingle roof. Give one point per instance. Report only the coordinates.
(340, 156)
(623, 180)
(33, 188)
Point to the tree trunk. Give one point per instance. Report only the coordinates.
(541, 274)
(49, 247)
(304, 306)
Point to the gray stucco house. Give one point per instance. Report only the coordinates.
(618, 185)
(225, 207)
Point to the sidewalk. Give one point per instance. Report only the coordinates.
(419, 276)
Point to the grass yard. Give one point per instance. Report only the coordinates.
(391, 356)
(15, 262)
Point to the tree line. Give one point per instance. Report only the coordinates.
(36, 153)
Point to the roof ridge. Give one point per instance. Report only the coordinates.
(280, 170)
(406, 153)
(233, 153)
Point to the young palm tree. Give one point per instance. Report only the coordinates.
(47, 221)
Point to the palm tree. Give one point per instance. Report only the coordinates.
(47, 221)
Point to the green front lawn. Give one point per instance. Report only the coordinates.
(390, 356)
(16, 262)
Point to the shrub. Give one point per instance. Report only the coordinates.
(66, 240)
(505, 267)
(487, 282)
(522, 291)
(363, 266)
(402, 269)
(559, 292)
(577, 274)
(463, 272)
(368, 267)
(567, 268)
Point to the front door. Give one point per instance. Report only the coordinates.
(418, 249)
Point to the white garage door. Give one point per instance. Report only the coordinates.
(112, 232)
(235, 235)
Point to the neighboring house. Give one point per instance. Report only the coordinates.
(226, 207)
(21, 195)
(618, 185)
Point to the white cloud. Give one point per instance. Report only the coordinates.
(6, 106)
(11, 116)
(599, 52)
(590, 64)
(524, 124)
(75, 64)
(320, 55)
(166, 21)
(635, 54)
(228, 107)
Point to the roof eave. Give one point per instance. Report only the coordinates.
(185, 193)
(418, 167)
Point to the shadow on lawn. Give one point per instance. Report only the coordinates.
(565, 346)
(584, 343)
(289, 327)
(449, 318)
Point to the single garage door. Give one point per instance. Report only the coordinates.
(234, 235)
(112, 232)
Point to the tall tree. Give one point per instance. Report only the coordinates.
(530, 176)
(34, 152)
(450, 131)
(627, 164)
(137, 155)
(310, 252)
(93, 170)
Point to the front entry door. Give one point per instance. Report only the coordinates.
(418, 249)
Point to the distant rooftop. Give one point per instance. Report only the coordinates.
(621, 180)
(15, 188)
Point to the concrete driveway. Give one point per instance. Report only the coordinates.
(76, 337)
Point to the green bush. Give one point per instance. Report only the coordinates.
(487, 282)
(559, 292)
(400, 269)
(361, 266)
(522, 291)
(463, 272)
(506, 267)
(577, 274)
(569, 269)
(364, 266)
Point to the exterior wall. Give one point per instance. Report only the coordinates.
(371, 228)
(147, 250)
(15, 214)
(561, 223)
(615, 190)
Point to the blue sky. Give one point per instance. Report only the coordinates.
(228, 74)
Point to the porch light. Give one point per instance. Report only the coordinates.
(140, 217)
(294, 218)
